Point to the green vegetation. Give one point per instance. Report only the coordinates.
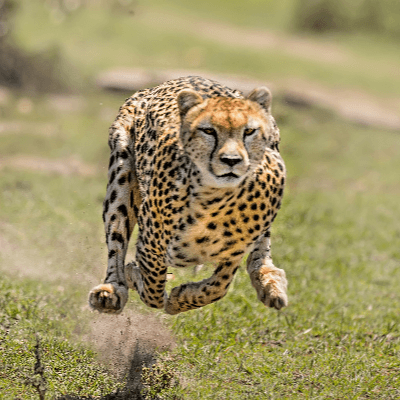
(337, 235)
(27, 309)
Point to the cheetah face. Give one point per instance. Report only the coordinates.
(226, 138)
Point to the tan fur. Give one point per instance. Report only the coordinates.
(197, 166)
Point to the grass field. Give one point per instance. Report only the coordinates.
(337, 236)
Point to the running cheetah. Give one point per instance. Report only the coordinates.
(197, 166)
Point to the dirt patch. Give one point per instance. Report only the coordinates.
(67, 166)
(357, 106)
(133, 79)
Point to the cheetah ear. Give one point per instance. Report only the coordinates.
(262, 96)
(188, 99)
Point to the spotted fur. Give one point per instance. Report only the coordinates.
(196, 165)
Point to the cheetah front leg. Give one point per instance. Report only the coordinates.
(198, 294)
(147, 275)
(120, 205)
(269, 281)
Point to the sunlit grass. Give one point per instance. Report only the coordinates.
(337, 234)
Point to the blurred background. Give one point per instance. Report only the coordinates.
(337, 54)
(334, 70)
(58, 45)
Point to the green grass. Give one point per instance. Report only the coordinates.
(31, 309)
(337, 234)
(338, 239)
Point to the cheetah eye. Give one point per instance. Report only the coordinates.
(249, 131)
(208, 131)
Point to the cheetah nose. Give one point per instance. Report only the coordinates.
(231, 160)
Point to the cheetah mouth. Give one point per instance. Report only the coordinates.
(229, 175)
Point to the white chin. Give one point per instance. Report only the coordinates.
(211, 180)
(226, 181)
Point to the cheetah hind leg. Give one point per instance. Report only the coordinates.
(108, 298)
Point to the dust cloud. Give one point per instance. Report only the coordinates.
(119, 339)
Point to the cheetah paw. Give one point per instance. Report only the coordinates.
(108, 298)
(271, 286)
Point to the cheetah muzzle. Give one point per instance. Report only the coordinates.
(196, 165)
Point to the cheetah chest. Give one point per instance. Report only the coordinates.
(224, 226)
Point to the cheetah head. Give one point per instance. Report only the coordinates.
(226, 138)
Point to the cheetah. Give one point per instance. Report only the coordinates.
(197, 166)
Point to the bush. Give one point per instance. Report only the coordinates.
(37, 72)
(342, 16)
